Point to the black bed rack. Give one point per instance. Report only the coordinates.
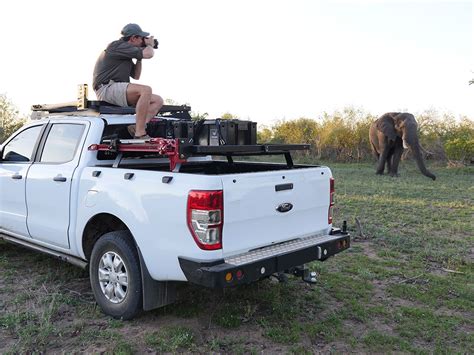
(245, 150)
(173, 111)
(84, 105)
(179, 150)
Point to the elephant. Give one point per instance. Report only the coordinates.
(389, 135)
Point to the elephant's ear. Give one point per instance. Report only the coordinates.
(385, 124)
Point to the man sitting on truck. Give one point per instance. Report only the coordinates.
(112, 73)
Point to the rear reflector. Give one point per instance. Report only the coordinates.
(205, 218)
(331, 199)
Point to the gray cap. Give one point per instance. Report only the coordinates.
(132, 29)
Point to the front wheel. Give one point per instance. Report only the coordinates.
(115, 275)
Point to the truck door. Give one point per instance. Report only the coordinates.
(16, 159)
(49, 181)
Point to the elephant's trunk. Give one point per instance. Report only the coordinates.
(416, 149)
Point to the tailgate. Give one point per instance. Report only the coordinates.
(271, 207)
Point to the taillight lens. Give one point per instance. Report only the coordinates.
(331, 199)
(205, 216)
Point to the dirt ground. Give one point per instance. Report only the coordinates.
(54, 311)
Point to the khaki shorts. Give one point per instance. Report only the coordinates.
(113, 93)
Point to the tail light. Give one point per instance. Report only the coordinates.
(331, 199)
(205, 215)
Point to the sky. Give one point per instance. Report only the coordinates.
(263, 60)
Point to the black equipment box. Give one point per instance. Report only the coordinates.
(225, 132)
(160, 128)
(184, 129)
(205, 132)
(171, 129)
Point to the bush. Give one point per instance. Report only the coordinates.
(459, 145)
(9, 119)
(344, 135)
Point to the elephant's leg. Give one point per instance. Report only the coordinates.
(397, 155)
(385, 157)
(389, 162)
(382, 160)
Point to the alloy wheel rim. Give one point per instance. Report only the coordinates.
(113, 277)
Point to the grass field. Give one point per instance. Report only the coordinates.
(406, 285)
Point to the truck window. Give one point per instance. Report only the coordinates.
(20, 148)
(62, 142)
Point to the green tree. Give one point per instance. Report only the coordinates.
(361, 136)
(459, 144)
(197, 116)
(172, 102)
(302, 130)
(9, 119)
(264, 135)
(229, 116)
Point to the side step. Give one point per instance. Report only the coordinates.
(57, 254)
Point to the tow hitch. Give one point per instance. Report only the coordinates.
(306, 274)
(299, 271)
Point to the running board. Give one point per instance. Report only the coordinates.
(61, 256)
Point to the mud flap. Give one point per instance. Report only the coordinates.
(155, 293)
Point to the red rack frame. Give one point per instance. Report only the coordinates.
(161, 146)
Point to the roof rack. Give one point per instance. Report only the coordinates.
(83, 104)
(179, 150)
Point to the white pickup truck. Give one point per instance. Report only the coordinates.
(141, 227)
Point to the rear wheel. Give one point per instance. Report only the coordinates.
(115, 275)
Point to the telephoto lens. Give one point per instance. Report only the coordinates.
(155, 45)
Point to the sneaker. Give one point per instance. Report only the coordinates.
(145, 137)
(131, 130)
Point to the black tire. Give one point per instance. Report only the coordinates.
(127, 302)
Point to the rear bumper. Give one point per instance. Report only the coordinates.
(260, 263)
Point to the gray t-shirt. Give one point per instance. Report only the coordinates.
(115, 63)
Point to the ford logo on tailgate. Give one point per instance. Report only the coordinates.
(284, 207)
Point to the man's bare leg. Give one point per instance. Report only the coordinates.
(140, 97)
(155, 105)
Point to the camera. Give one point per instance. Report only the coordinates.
(155, 43)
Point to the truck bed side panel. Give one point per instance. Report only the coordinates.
(155, 213)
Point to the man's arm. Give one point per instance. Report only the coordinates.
(148, 52)
(137, 70)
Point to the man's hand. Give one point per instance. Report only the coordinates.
(148, 52)
(150, 41)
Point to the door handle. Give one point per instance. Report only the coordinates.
(17, 177)
(59, 178)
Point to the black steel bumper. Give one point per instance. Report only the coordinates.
(257, 264)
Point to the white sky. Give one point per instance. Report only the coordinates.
(258, 59)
